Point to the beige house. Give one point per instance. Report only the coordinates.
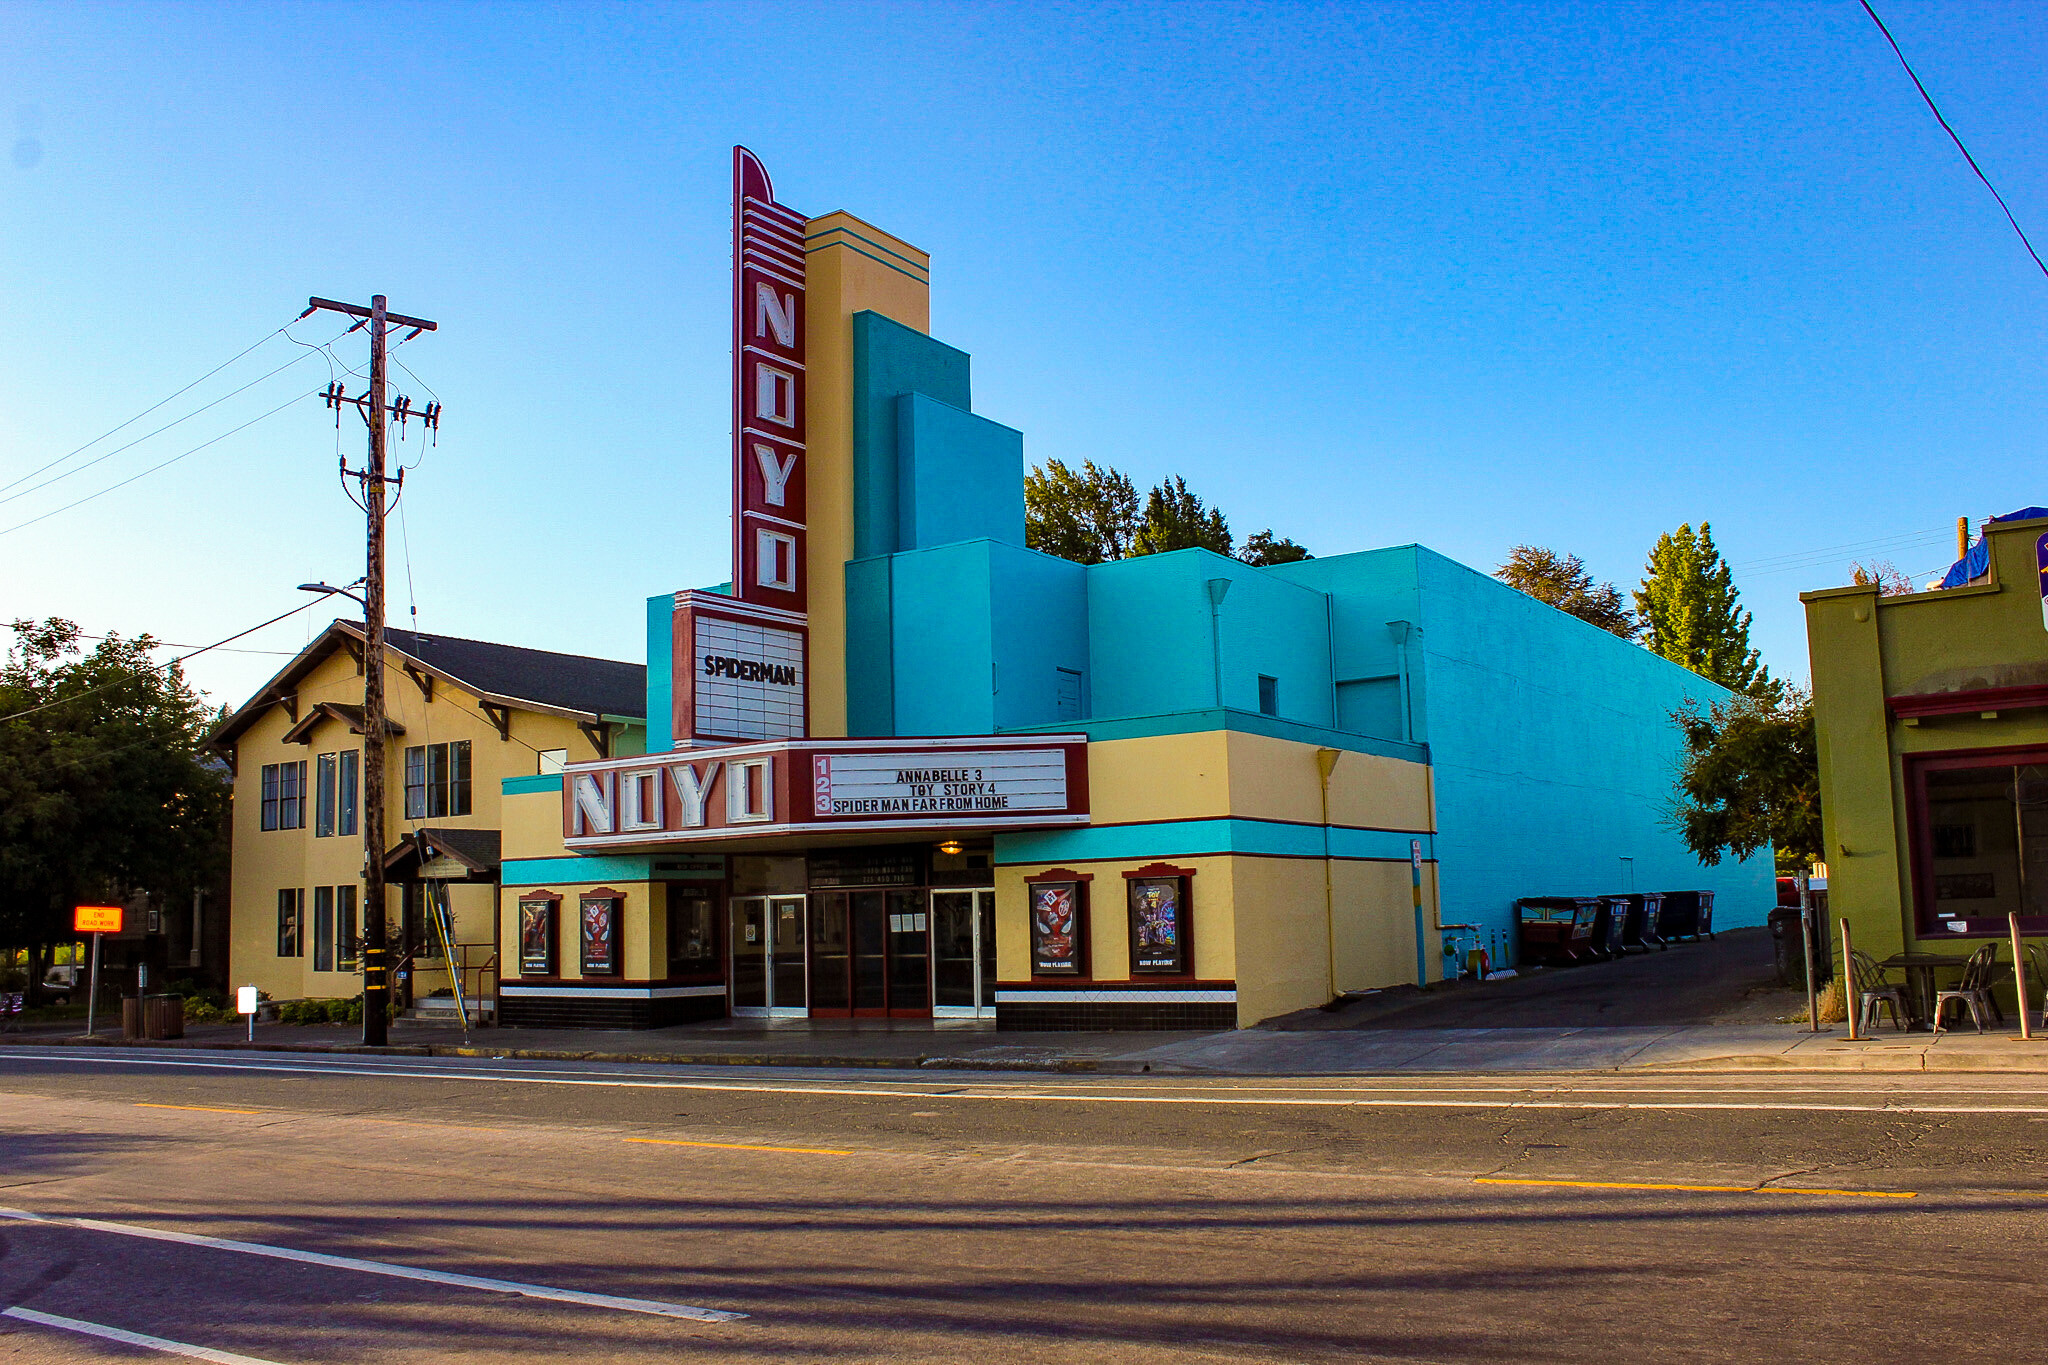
(464, 715)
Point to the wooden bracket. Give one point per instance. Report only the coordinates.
(423, 681)
(599, 733)
(500, 716)
(355, 651)
(290, 702)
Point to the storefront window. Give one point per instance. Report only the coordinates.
(600, 934)
(1159, 923)
(537, 915)
(692, 942)
(1058, 919)
(1981, 842)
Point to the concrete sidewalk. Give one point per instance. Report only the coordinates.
(900, 1044)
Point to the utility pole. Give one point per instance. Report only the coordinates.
(372, 406)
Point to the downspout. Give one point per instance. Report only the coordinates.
(1218, 588)
(1326, 763)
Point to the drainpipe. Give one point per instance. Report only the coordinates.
(1218, 587)
(1401, 630)
(1326, 763)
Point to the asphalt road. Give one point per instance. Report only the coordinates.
(852, 1216)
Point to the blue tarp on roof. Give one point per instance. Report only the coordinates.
(1977, 562)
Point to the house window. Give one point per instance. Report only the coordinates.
(291, 905)
(323, 928)
(437, 780)
(1980, 840)
(323, 796)
(347, 784)
(1269, 696)
(284, 795)
(347, 952)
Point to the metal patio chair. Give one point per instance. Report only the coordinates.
(1973, 990)
(2037, 977)
(1872, 990)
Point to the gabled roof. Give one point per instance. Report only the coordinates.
(507, 676)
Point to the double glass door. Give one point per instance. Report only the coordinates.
(964, 954)
(870, 954)
(768, 967)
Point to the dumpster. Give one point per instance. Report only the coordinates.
(1706, 924)
(1680, 917)
(1641, 928)
(1609, 919)
(1556, 929)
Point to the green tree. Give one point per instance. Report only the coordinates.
(1261, 548)
(1692, 615)
(1562, 581)
(1750, 778)
(1089, 515)
(1175, 519)
(104, 790)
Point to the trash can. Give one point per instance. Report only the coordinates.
(1641, 928)
(163, 1016)
(1610, 918)
(1788, 954)
(131, 1016)
(1555, 930)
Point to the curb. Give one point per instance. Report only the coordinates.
(916, 1063)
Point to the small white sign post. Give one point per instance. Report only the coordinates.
(245, 1002)
(94, 920)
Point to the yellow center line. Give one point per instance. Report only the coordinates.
(200, 1108)
(743, 1147)
(1698, 1189)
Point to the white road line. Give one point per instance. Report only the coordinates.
(945, 1090)
(399, 1272)
(127, 1338)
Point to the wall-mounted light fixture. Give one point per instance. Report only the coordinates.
(951, 848)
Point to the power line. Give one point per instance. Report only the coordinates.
(165, 465)
(1799, 558)
(1953, 138)
(140, 415)
(166, 666)
(158, 432)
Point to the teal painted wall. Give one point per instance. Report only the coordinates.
(889, 360)
(1367, 591)
(1554, 756)
(942, 641)
(958, 476)
(870, 648)
(660, 670)
(1039, 609)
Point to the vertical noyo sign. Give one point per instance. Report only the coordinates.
(768, 474)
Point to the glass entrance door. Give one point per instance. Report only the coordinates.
(768, 955)
(964, 954)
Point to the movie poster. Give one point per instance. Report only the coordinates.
(537, 938)
(1158, 926)
(1055, 928)
(600, 937)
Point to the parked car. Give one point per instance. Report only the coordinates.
(61, 983)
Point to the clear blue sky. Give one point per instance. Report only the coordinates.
(1468, 275)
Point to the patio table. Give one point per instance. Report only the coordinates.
(1920, 987)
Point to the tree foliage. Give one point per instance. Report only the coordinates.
(1883, 574)
(1261, 548)
(1175, 519)
(1750, 779)
(104, 791)
(1088, 515)
(1562, 581)
(1692, 615)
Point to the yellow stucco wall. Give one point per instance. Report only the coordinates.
(264, 861)
(850, 266)
(1864, 648)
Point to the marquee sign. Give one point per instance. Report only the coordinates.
(827, 786)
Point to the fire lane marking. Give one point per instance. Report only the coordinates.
(744, 1147)
(1695, 1189)
(654, 1307)
(196, 1108)
(127, 1338)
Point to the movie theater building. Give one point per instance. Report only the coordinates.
(903, 766)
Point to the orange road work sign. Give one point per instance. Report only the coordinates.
(96, 919)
